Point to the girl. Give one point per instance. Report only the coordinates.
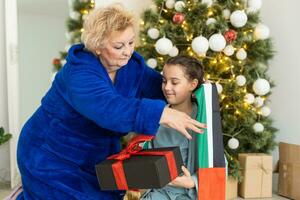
(181, 76)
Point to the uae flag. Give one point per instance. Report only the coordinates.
(210, 160)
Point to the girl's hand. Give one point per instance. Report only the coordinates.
(180, 121)
(184, 181)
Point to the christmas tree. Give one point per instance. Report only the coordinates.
(79, 10)
(227, 36)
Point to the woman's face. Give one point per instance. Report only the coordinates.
(117, 49)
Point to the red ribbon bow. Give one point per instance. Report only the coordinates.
(133, 148)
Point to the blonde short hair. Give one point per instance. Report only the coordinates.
(101, 22)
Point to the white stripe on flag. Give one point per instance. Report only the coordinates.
(208, 103)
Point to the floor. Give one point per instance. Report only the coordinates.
(6, 192)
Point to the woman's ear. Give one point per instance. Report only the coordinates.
(98, 52)
(194, 84)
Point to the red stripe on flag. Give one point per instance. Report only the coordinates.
(211, 184)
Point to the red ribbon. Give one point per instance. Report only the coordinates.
(133, 148)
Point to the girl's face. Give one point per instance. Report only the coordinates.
(176, 87)
(117, 50)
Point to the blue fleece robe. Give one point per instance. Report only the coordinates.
(80, 122)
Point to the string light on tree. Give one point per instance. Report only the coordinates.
(217, 42)
(163, 46)
(238, 18)
(261, 87)
(258, 127)
(233, 143)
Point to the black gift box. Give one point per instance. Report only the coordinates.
(141, 171)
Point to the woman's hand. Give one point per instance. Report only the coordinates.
(180, 121)
(184, 181)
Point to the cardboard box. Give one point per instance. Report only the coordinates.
(289, 170)
(141, 171)
(257, 175)
(231, 188)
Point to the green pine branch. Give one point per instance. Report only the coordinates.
(4, 137)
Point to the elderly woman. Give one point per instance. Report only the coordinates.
(104, 91)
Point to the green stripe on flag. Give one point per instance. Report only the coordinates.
(202, 138)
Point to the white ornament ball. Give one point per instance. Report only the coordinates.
(229, 50)
(233, 143)
(163, 46)
(69, 35)
(238, 18)
(265, 111)
(200, 45)
(153, 33)
(170, 4)
(174, 51)
(179, 5)
(241, 54)
(63, 62)
(249, 98)
(151, 62)
(208, 2)
(75, 15)
(219, 88)
(258, 127)
(254, 5)
(258, 102)
(217, 42)
(210, 21)
(226, 13)
(240, 80)
(261, 86)
(261, 32)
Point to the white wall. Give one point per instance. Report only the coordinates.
(4, 149)
(282, 17)
(41, 37)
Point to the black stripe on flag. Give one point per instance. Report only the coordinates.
(219, 160)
